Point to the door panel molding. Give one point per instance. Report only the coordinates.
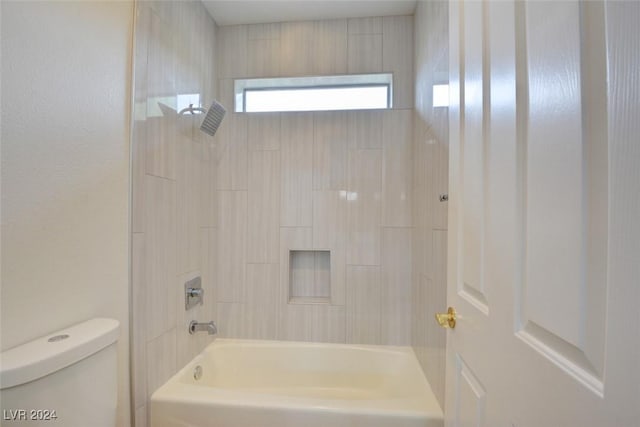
(562, 180)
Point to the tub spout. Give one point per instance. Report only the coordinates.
(210, 327)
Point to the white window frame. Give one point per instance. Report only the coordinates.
(242, 86)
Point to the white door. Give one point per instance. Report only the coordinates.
(544, 214)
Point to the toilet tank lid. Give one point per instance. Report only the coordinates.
(55, 351)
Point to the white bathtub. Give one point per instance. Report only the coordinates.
(285, 384)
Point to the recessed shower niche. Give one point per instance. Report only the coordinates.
(309, 276)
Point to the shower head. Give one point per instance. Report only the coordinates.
(213, 118)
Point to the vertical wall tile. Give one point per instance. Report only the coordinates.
(397, 57)
(369, 25)
(365, 53)
(330, 232)
(264, 207)
(227, 98)
(312, 322)
(330, 47)
(297, 169)
(231, 320)
(232, 166)
(364, 207)
(397, 168)
(365, 129)
(161, 103)
(207, 185)
(189, 156)
(160, 265)
(161, 360)
(208, 251)
(263, 58)
(396, 286)
(232, 48)
(297, 42)
(141, 416)
(264, 131)
(231, 245)
(330, 145)
(138, 173)
(139, 313)
(264, 31)
(262, 300)
(363, 307)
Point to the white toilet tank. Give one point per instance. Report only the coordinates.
(67, 378)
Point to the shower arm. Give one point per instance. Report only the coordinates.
(191, 109)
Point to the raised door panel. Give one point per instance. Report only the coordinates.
(471, 284)
(563, 160)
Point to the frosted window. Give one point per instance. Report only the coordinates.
(326, 93)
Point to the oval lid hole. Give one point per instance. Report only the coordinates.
(57, 338)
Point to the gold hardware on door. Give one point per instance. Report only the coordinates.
(448, 319)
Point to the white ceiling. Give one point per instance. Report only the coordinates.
(226, 12)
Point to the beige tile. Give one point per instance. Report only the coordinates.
(141, 417)
(396, 168)
(262, 298)
(396, 286)
(232, 51)
(263, 58)
(264, 207)
(138, 151)
(138, 173)
(297, 43)
(364, 207)
(365, 129)
(330, 232)
(291, 238)
(264, 131)
(208, 186)
(231, 320)
(297, 169)
(330, 47)
(161, 129)
(209, 239)
(363, 305)
(160, 265)
(161, 360)
(312, 322)
(189, 168)
(231, 244)
(397, 57)
(330, 145)
(232, 166)
(225, 95)
(365, 53)
(371, 25)
(138, 320)
(264, 31)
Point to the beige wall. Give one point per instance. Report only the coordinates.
(430, 178)
(283, 181)
(173, 209)
(65, 169)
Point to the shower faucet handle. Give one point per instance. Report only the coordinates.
(193, 293)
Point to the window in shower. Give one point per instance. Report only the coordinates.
(323, 93)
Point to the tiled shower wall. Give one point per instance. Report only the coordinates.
(336, 181)
(430, 180)
(173, 214)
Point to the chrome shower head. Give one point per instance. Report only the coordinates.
(213, 118)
